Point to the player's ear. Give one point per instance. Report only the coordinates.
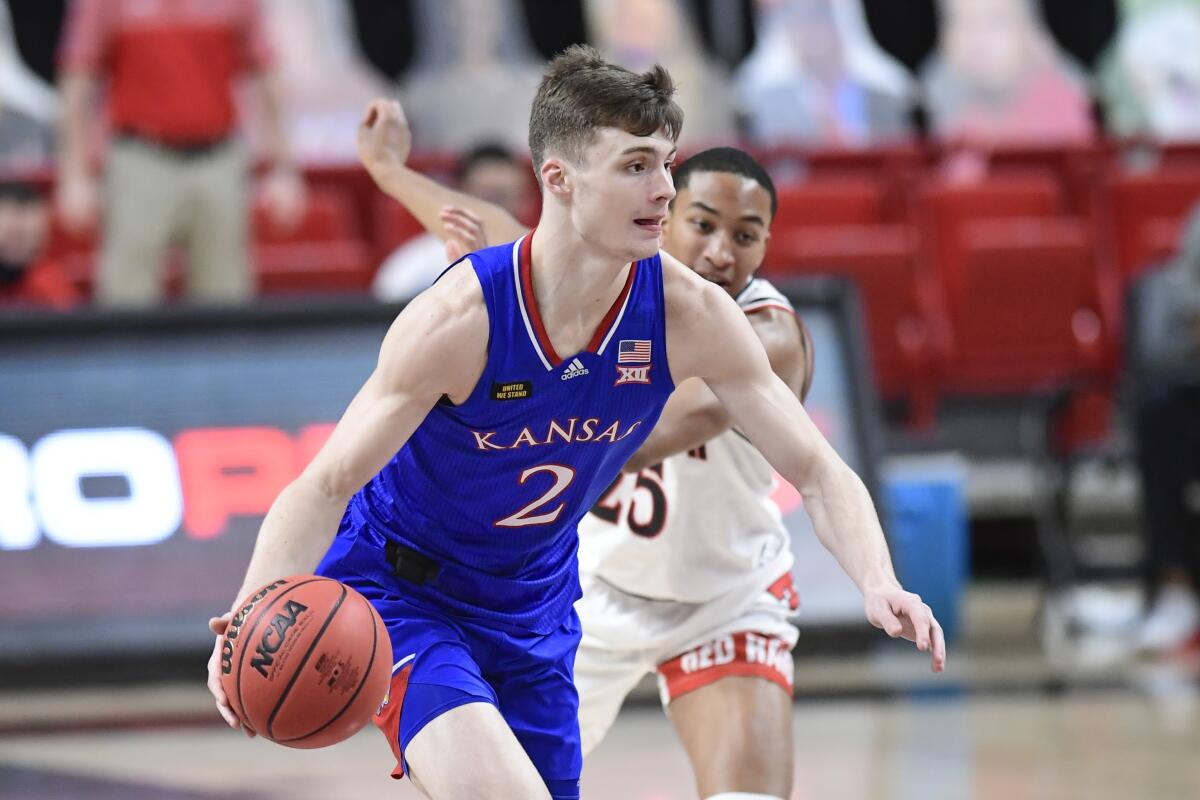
(556, 178)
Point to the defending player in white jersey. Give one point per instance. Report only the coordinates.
(685, 564)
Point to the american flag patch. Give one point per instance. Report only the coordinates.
(633, 351)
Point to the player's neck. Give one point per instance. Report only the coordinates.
(569, 274)
(574, 286)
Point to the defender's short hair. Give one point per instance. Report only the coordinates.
(729, 160)
(581, 92)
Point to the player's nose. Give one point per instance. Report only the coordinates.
(663, 191)
(719, 253)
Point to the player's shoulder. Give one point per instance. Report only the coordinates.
(686, 293)
(781, 331)
(457, 292)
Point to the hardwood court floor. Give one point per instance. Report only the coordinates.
(1095, 744)
(1015, 717)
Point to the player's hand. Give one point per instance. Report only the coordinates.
(901, 614)
(78, 203)
(384, 138)
(218, 625)
(464, 232)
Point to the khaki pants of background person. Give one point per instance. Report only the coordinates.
(155, 199)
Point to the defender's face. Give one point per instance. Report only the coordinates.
(719, 226)
(620, 191)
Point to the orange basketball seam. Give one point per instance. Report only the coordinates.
(300, 667)
(361, 684)
(261, 613)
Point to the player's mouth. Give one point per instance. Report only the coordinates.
(652, 225)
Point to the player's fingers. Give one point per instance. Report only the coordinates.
(461, 215)
(218, 625)
(939, 648)
(459, 229)
(471, 216)
(885, 619)
(371, 114)
(922, 622)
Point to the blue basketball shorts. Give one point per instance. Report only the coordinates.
(442, 662)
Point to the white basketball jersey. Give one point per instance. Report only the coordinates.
(700, 525)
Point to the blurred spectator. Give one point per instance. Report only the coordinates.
(997, 77)
(1150, 79)
(27, 107)
(474, 77)
(637, 34)
(321, 73)
(1165, 361)
(175, 168)
(489, 172)
(27, 276)
(817, 77)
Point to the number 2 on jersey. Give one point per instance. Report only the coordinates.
(563, 475)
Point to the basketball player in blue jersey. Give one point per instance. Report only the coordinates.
(719, 579)
(505, 400)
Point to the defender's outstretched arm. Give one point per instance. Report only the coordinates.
(710, 338)
(384, 144)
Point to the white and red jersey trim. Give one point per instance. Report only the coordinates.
(527, 302)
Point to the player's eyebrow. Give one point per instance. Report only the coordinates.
(744, 218)
(645, 148)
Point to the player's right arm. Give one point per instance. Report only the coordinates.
(436, 347)
(384, 144)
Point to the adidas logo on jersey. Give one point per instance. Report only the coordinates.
(574, 370)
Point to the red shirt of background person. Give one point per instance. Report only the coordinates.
(172, 63)
(172, 67)
(28, 277)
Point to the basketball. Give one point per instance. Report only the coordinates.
(305, 661)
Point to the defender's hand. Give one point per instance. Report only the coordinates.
(901, 614)
(464, 232)
(218, 625)
(384, 138)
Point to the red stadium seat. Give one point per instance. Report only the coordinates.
(1025, 313)
(393, 225)
(1146, 214)
(903, 307)
(1076, 169)
(819, 203)
(948, 211)
(324, 253)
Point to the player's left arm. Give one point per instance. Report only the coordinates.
(709, 337)
(693, 414)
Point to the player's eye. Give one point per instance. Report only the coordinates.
(704, 226)
(747, 239)
(636, 167)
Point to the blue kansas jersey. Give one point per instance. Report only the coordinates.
(492, 489)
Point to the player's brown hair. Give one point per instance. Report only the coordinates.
(581, 92)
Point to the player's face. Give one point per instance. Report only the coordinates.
(620, 192)
(719, 226)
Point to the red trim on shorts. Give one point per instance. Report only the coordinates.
(747, 654)
(387, 716)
